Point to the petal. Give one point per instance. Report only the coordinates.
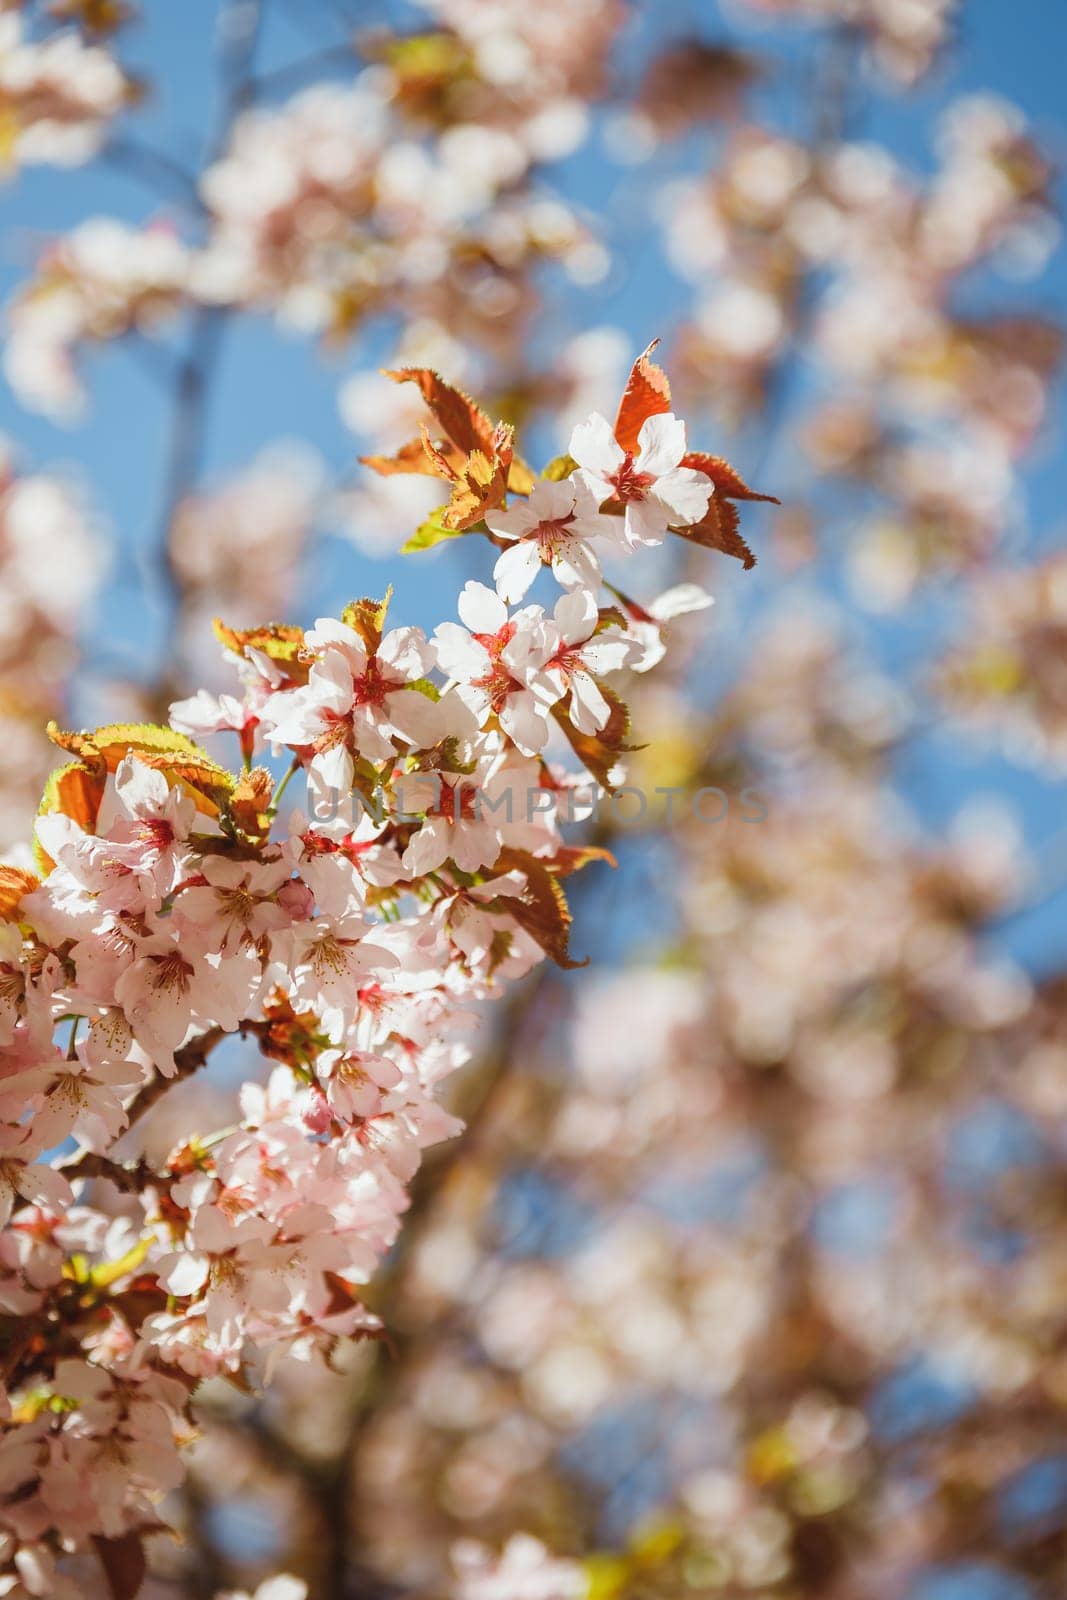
(523, 721)
(595, 485)
(414, 716)
(45, 1187)
(408, 651)
(330, 683)
(142, 791)
(684, 493)
(474, 845)
(555, 501)
(516, 569)
(187, 1276)
(661, 444)
(458, 654)
(516, 522)
(576, 566)
(595, 447)
(677, 601)
(609, 652)
(646, 522)
(428, 848)
(212, 1229)
(334, 768)
(481, 609)
(329, 631)
(576, 616)
(589, 710)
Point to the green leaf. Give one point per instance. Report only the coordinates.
(431, 532)
(558, 468)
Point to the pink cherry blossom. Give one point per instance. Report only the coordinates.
(355, 703)
(495, 663)
(553, 528)
(232, 903)
(654, 489)
(21, 1173)
(582, 654)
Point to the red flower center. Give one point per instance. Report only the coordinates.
(497, 682)
(628, 483)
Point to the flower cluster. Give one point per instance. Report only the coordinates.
(175, 905)
(57, 96)
(349, 201)
(904, 36)
(1007, 675)
(925, 407)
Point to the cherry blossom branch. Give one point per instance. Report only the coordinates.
(187, 1061)
(130, 1177)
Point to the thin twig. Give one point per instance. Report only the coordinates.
(154, 167)
(295, 73)
(130, 1177)
(189, 1059)
(197, 368)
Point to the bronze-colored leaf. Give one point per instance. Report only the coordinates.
(719, 529)
(647, 394)
(542, 909)
(123, 1561)
(14, 883)
(729, 484)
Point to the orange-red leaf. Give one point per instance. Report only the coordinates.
(541, 910)
(481, 483)
(647, 394)
(412, 457)
(728, 483)
(719, 529)
(573, 857)
(14, 883)
(367, 618)
(250, 801)
(599, 752)
(463, 422)
(77, 791)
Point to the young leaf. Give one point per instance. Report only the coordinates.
(367, 617)
(558, 468)
(729, 485)
(412, 457)
(431, 532)
(463, 422)
(123, 1561)
(599, 752)
(279, 642)
(647, 394)
(718, 529)
(178, 757)
(14, 883)
(542, 909)
(249, 806)
(479, 486)
(77, 791)
(573, 857)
